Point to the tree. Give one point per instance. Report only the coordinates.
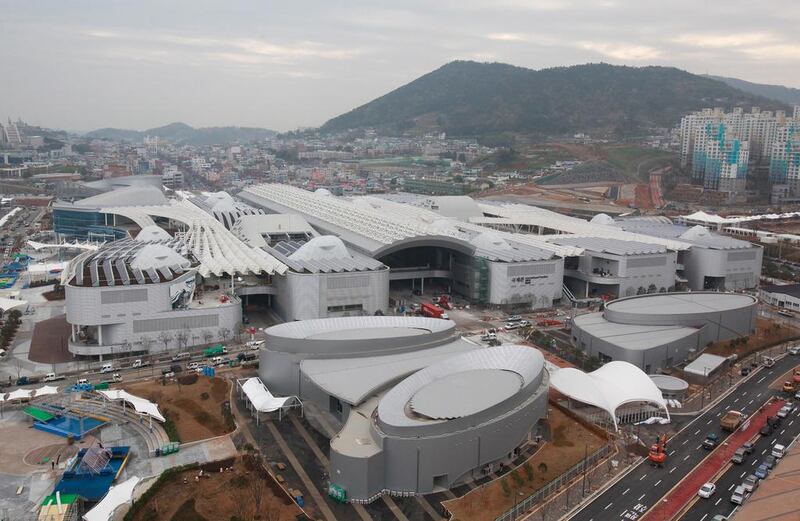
(208, 336)
(506, 488)
(517, 477)
(182, 337)
(165, 338)
(224, 333)
(641, 290)
(652, 288)
(528, 469)
(146, 342)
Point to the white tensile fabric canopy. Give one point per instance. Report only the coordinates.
(116, 496)
(262, 400)
(142, 406)
(19, 394)
(609, 387)
(45, 390)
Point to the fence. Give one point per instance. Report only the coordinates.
(555, 485)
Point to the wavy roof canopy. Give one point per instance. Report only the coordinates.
(609, 387)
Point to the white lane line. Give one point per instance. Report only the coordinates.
(657, 483)
(790, 423)
(761, 379)
(697, 432)
(709, 421)
(641, 497)
(773, 441)
(751, 401)
(753, 463)
(626, 491)
(718, 501)
(784, 430)
(608, 506)
(743, 474)
(699, 447)
(763, 452)
(673, 452)
(736, 400)
(685, 442)
(672, 470)
(686, 457)
(643, 477)
(704, 516)
(731, 487)
(759, 394)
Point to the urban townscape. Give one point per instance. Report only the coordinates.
(423, 286)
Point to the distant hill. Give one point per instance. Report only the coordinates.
(470, 98)
(183, 134)
(776, 92)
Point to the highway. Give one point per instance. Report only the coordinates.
(634, 494)
(719, 503)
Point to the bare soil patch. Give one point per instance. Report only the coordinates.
(246, 492)
(195, 409)
(571, 441)
(767, 334)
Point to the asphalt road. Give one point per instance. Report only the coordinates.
(644, 486)
(719, 503)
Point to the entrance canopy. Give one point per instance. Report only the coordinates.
(608, 388)
(262, 400)
(142, 406)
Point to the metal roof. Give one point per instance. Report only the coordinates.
(678, 232)
(363, 327)
(634, 337)
(480, 371)
(607, 245)
(696, 302)
(305, 256)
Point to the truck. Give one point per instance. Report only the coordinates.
(432, 310)
(216, 350)
(140, 363)
(731, 421)
(796, 375)
(53, 377)
(443, 301)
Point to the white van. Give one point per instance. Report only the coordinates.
(181, 356)
(82, 381)
(778, 450)
(254, 344)
(107, 368)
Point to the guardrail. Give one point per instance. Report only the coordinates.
(555, 485)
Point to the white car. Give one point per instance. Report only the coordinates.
(82, 381)
(784, 412)
(707, 490)
(794, 350)
(192, 365)
(778, 450)
(255, 344)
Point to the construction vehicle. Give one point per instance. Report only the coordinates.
(444, 302)
(789, 387)
(731, 421)
(432, 310)
(658, 452)
(216, 350)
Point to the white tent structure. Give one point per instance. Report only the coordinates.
(608, 388)
(45, 390)
(261, 400)
(141, 406)
(115, 497)
(19, 394)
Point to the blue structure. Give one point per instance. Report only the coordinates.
(84, 225)
(86, 482)
(64, 423)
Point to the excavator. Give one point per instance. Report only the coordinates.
(658, 451)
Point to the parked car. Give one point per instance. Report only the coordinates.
(738, 456)
(750, 483)
(794, 350)
(770, 461)
(255, 344)
(116, 377)
(191, 366)
(107, 368)
(773, 421)
(707, 490)
(766, 430)
(784, 412)
(514, 318)
(762, 471)
(181, 356)
(778, 450)
(768, 361)
(744, 371)
(82, 381)
(748, 447)
(175, 368)
(739, 495)
(140, 363)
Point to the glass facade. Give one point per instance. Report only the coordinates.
(72, 224)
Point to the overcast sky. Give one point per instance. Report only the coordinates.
(83, 64)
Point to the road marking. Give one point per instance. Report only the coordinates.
(751, 401)
(699, 447)
(657, 483)
(784, 430)
(759, 394)
(673, 452)
(608, 506)
(790, 423)
(686, 457)
(672, 470)
(718, 501)
(641, 497)
(743, 473)
(709, 422)
(685, 442)
(761, 379)
(773, 441)
(763, 452)
(643, 477)
(704, 516)
(736, 400)
(731, 487)
(753, 463)
(697, 432)
(626, 491)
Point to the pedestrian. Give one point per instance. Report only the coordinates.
(52, 465)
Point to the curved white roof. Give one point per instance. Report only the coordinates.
(602, 218)
(695, 233)
(461, 385)
(491, 241)
(152, 233)
(321, 248)
(609, 387)
(359, 327)
(143, 195)
(158, 256)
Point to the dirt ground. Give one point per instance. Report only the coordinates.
(568, 447)
(766, 335)
(243, 492)
(196, 409)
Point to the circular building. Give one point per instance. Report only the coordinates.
(661, 330)
(421, 408)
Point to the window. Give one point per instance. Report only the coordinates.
(346, 307)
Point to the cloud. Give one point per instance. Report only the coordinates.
(622, 51)
(724, 40)
(507, 37)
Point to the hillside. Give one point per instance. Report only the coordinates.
(469, 98)
(183, 134)
(776, 92)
